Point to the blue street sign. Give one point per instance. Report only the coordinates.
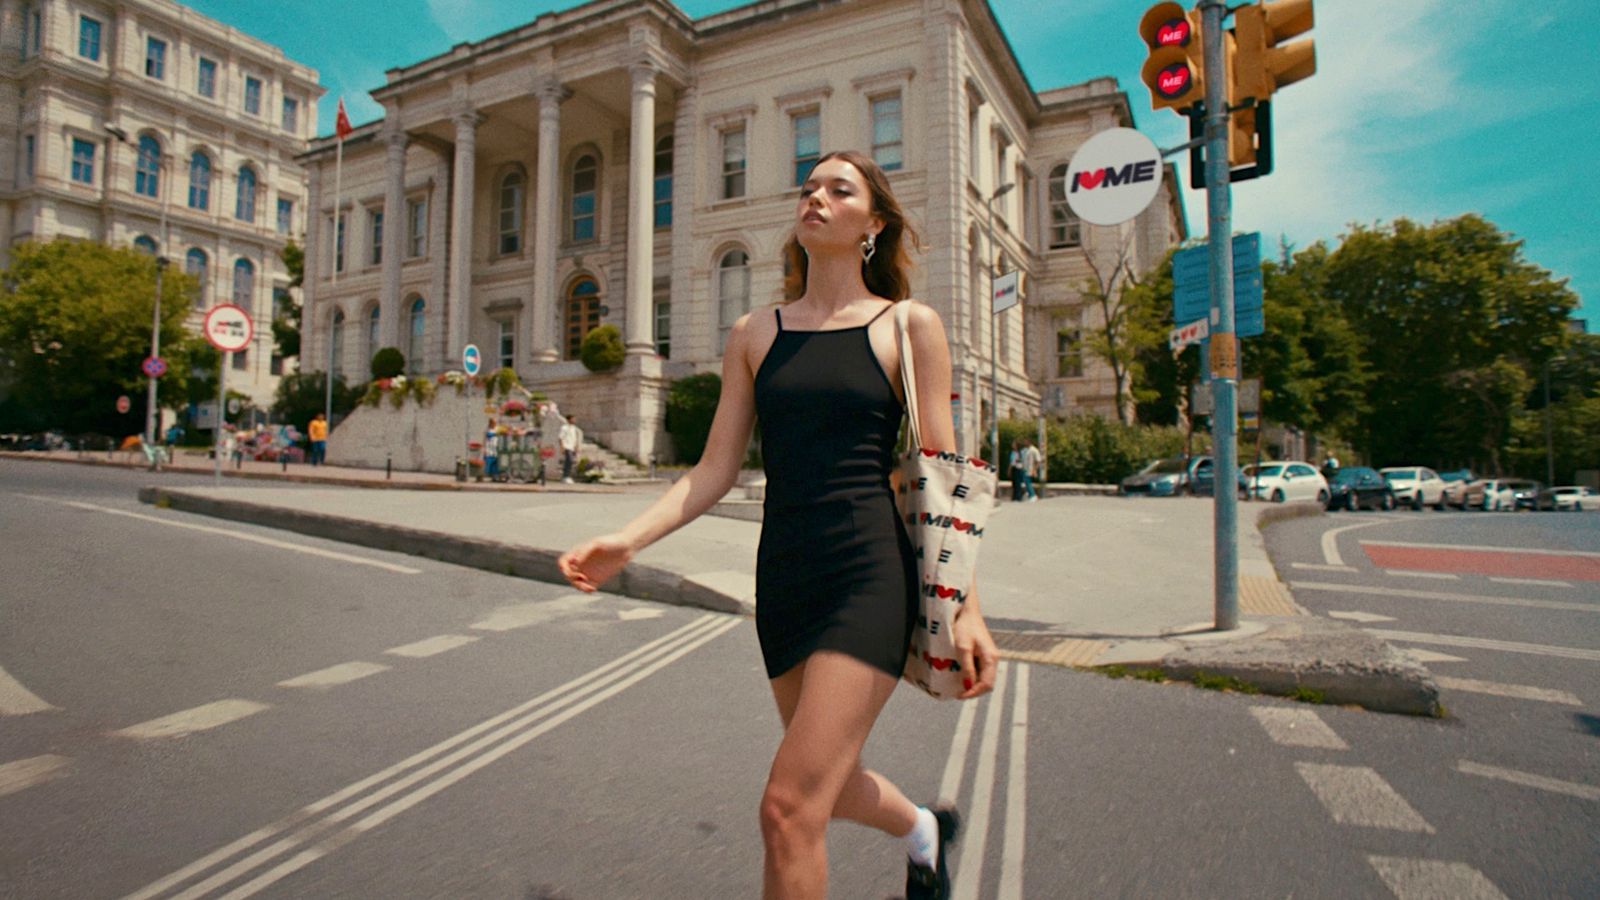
(154, 366)
(471, 359)
(1191, 284)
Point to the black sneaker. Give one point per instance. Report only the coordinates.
(933, 882)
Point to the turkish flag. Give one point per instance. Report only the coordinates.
(341, 122)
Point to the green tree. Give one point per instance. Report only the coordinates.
(388, 362)
(1161, 388)
(1122, 334)
(691, 406)
(304, 394)
(286, 321)
(74, 327)
(602, 349)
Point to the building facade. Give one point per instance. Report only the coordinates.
(620, 162)
(143, 123)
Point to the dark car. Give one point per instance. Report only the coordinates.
(1358, 487)
(1162, 478)
(1203, 478)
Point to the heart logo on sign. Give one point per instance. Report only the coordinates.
(1091, 180)
(1173, 80)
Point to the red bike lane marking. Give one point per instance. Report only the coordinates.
(1505, 563)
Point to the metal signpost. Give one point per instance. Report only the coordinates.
(229, 329)
(471, 363)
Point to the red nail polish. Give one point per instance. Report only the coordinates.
(967, 683)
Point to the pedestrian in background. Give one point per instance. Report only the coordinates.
(1032, 463)
(837, 589)
(571, 438)
(491, 451)
(317, 431)
(1014, 463)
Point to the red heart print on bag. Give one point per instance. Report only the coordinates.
(945, 593)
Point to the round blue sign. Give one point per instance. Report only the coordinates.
(154, 366)
(471, 359)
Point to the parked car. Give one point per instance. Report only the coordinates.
(1569, 498)
(1493, 494)
(1162, 478)
(1415, 486)
(1456, 482)
(1280, 481)
(1359, 487)
(1201, 481)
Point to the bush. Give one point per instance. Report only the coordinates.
(1091, 450)
(602, 349)
(388, 362)
(691, 405)
(303, 394)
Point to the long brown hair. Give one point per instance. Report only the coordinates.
(888, 274)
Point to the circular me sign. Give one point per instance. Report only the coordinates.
(1113, 176)
(229, 328)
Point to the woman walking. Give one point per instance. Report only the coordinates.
(836, 582)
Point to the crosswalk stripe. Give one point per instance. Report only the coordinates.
(25, 773)
(188, 721)
(1430, 879)
(1528, 779)
(431, 646)
(1452, 640)
(1297, 728)
(1357, 795)
(1514, 691)
(343, 673)
(524, 615)
(1357, 616)
(16, 700)
(1441, 595)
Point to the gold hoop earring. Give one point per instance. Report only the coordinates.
(869, 247)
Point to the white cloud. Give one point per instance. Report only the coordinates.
(466, 20)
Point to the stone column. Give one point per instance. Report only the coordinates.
(394, 227)
(684, 164)
(459, 303)
(547, 224)
(641, 172)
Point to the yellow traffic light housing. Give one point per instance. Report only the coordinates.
(1174, 71)
(1263, 63)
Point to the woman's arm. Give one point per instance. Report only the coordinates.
(596, 561)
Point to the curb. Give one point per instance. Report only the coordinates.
(637, 581)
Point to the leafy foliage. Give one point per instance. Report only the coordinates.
(304, 394)
(602, 349)
(388, 362)
(1090, 449)
(691, 406)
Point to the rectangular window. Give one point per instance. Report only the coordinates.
(663, 333)
(205, 79)
(508, 344)
(285, 215)
(291, 115)
(1001, 150)
(32, 25)
(375, 229)
(1069, 353)
(82, 161)
(733, 160)
(28, 156)
(241, 360)
(252, 95)
(338, 245)
(887, 149)
(417, 227)
(277, 365)
(89, 38)
(807, 144)
(155, 58)
(280, 302)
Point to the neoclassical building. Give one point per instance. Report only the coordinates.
(620, 162)
(143, 123)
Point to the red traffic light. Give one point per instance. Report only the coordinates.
(1174, 81)
(1172, 33)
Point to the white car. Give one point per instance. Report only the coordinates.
(1415, 486)
(1280, 481)
(1569, 498)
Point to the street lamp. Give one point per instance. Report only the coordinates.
(151, 434)
(994, 364)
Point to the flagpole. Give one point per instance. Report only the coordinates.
(341, 127)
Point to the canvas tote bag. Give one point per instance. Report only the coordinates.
(945, 500)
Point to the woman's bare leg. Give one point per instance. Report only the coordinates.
(839, 700)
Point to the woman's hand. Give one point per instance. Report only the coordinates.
(596, 561)
(975, 652)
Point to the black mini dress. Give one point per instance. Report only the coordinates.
(834, 569)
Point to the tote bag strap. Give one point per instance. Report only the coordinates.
(908, 369)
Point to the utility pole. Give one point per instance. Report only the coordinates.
(994, 355)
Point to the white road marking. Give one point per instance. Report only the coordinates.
(1356, 616)
(343, 673)
(1330, 544)
(431, 646)
(1453, 640)
(1320, 567)
(1429, 656)
(25, 773)
(1441, 595)
(969, 877)
(1293, 727)
(1537, 550)
(1357, 795)
(200, 718)
(16, 700)
(242, 536)
(1413, 573)
(1541, 582)
(1431, 879)
(1527, 779)
(523, 615)
(1514, 691)
(1013, 850)
(955, 765)
(643, 612)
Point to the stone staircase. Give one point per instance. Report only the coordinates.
(617, 470)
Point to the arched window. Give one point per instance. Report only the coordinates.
(663, 186)
(336, 344)
(1063, 223)
(244, 207)
(199, 181)
(195, 264)
(583, 313)
(585, 186)
(418, 325)
(373, 318)
(147, 175)
(733, 292)
(511, 194)
(244, 283)
(144, 243)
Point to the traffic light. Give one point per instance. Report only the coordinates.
(1263, 63)
(1174, 70)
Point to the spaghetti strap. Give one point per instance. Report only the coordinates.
(881, 312)
(779, 314)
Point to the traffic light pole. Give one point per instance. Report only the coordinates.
(1223, 355)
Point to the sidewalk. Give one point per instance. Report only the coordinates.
(1074, 580)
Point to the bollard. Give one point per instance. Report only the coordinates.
(388, 467)
(652, 466)
(283, 458)
(461, 470)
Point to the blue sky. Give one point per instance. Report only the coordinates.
(1420, 108)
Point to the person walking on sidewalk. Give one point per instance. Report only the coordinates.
(1032, 463)
(491, 452)
(836, 579)
(1014, 463)
(317, 432)
(571, 438)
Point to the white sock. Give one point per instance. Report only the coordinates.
(922, 841)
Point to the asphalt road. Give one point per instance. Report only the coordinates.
(235, 711)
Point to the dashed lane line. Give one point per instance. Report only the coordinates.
(1514, 691)
(1528, 779)
(343, 673)
(16, 700)
(1321, 567)
(1297, 728)
(1453, 640)
(431, 646)
(1357, 795)
(969, 875)
(1413, 573)
(25, 773)
(1409, 593)
(1429, 656)
(189, 721)
(1538, 582)
(1358, 616)
(1432, 879)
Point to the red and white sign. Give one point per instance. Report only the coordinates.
(1113, 176)
(1005, 291)
(124, 404)
(1192, 333)
(229, 328)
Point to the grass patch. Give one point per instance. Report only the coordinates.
(163, 501)
(1117, 671)
(1223, 683)
(1308, 694)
